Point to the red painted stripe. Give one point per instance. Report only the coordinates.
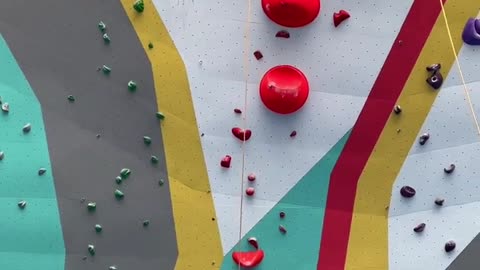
(366, 131)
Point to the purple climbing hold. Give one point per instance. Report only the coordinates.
(407, 191)
(471, 32)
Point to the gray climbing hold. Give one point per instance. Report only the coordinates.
(160, 115)
(27, 128)
(125, 173)
(82, 200)
(161, 182)
(91, 249)
(118, 180)
(106, 69)
(71, 98)
(22, 204)
(5, 107)
(147, 140)
(98, 228)
(91, 206)
(102, 26)
(42, 171)
(2, 155)
(112, 267)
(146, 223)
(106, 38)
(118, 194)
(132, 85)
(154, 159)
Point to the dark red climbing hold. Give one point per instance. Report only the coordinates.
(242, 134)
(450, 246)
(339, 17)
(471, 32)
(284, 89)
(293, 134)
(282, 214)
(291, 13)
(419, 228)
(253, 242)
(250, 191)
(282, 34)
(251, 177)
(237, 110)
(282, 229)
(258, 55)
(226, 160)
(407, 191)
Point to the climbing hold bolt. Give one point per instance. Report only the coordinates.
(160, 115)
(98, 228)
(282, 34)
(5, 107)
(282, 229)
(132, 85)
(91, 249)
(22, 204)
(339, 17)
(293, 134)
(471, 32)
(42, 171)
(71, 98)
(154, 159)
(147, 140)
(419, 228)
(449, 169)
(424, 138)
(106, 69)
(91, 206)
(2, 155)
(258, 55)
(27, 128)
(118, 180)
(241, 134)
(251, 177)
(450, 246)
(225, 162)
(436, 79)
(106, 38)
(407, 191)
(125, 172)
(102, 26)
(397, 109)
(250, 191)
(439, 202)
(118, 194)
(139, 6)
(146, 223)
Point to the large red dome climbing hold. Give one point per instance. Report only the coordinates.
(284, 89)
(291, 13)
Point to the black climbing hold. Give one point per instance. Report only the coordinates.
(450, 246)
(146, 223)
(91, 249)
(22, 204)
(407, 191)
(27, 128)
(42, 171)
(439, 202)
(436, 79)
(419, 228)
(397, 109)
(282, 214)
(449, 169)
(424, 138)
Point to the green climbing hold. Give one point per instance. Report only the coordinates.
(106, 38)
(71, 98)
(22, 204)
(146, 223)
(147, 140)
(118, 194)
(42, 171)
(161, 182)
(102, 26)
(139, 6)
(106, 70)
(132, 86)
(160, 115)
(2, 155)
(124, 173)
(150, 45)
(91, 206)
(91, 249)
(118, 180)
(27, 128)
(154, 159)
(98, 228)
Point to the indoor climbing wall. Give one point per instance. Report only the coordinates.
(266, 134)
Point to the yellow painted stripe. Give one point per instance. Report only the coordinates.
(198, 238)
(368, 245)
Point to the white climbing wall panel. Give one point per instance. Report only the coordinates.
(341, 65)
(453, 139)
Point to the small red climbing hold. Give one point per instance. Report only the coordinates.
(226, 160)
(242, 134)
(258, 55)
(291, 13)
(282, 34)
(236, 110)
(251, 177)
(250, 191)
(284, 89)
(293, 134)
(339, 17)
